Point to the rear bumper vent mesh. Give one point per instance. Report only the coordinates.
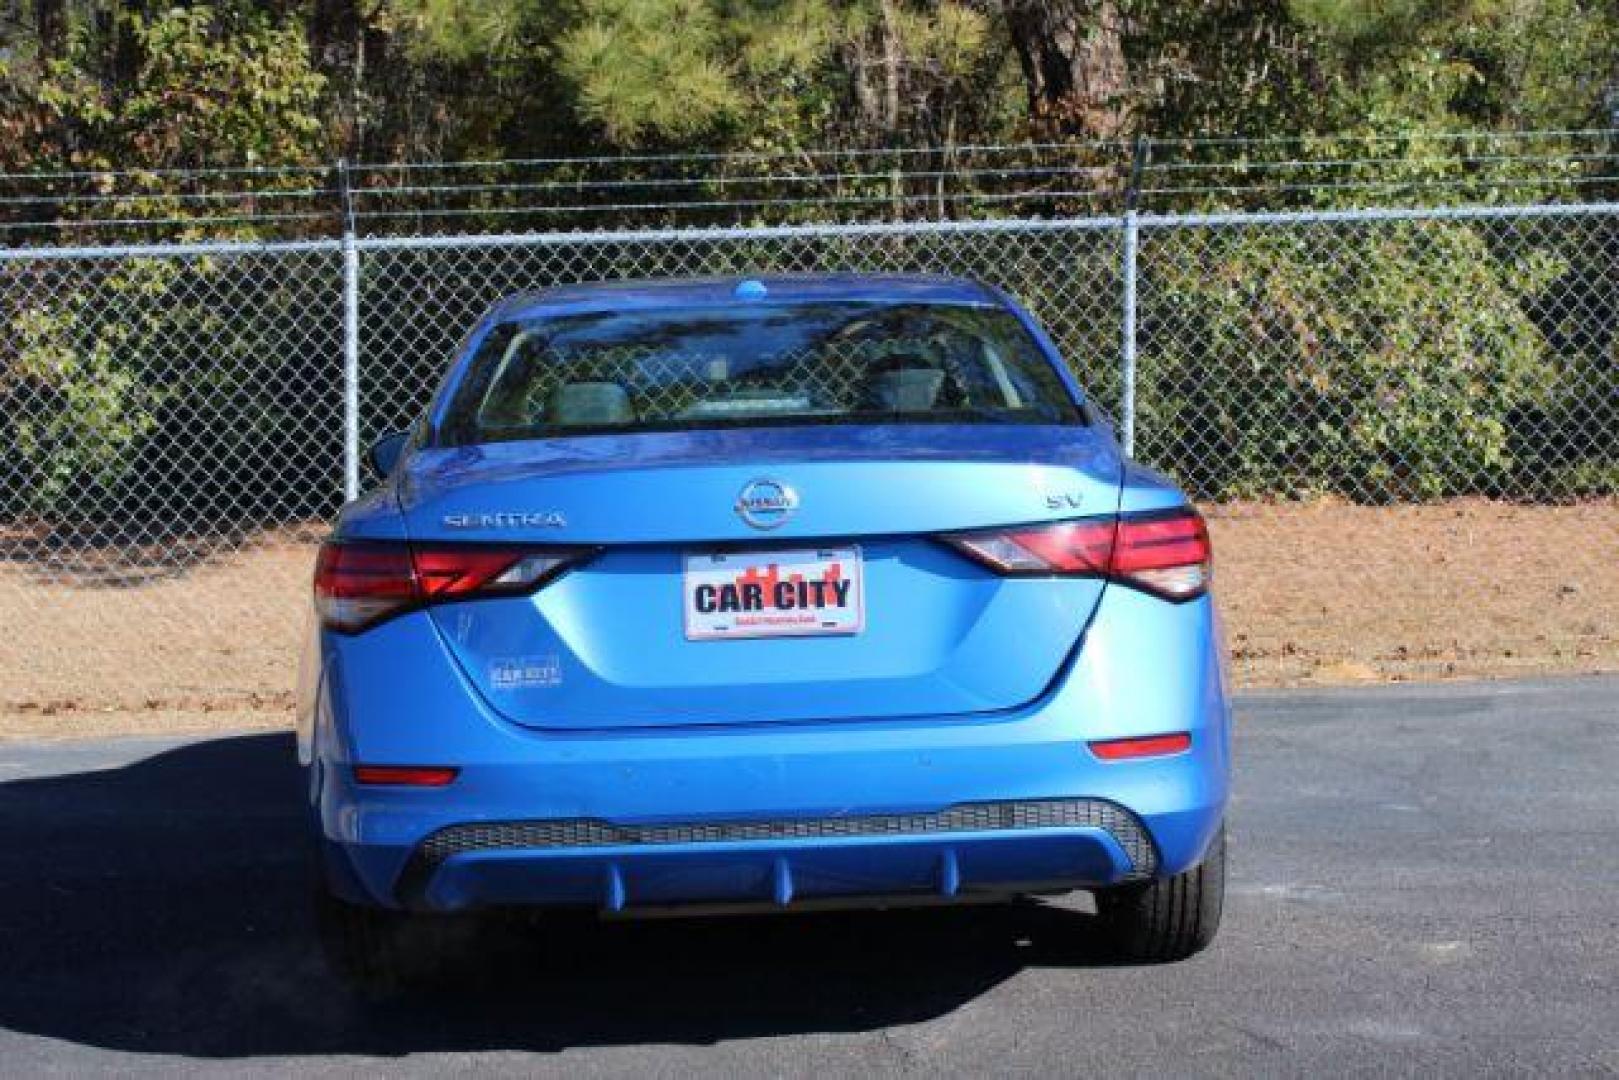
(551, 834)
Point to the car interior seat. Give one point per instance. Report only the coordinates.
(589, 404)
(908, 384)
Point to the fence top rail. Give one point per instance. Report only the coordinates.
(602, 238)
(765, 232)
(1438, 213)
(187, 250)
(560, 239)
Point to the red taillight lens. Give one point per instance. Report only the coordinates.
(359, 583)
(406, 775)
(448, 572)
(1166, 553)
(1144, 746)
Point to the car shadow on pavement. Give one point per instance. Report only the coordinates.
(163, 907)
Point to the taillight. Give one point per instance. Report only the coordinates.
(1166, 553)
(358, 583)
(1080, 548)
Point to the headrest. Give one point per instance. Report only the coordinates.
(907, 389)
(587, 404)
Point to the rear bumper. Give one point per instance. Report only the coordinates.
(774, 814)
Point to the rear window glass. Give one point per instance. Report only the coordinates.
(752, 366)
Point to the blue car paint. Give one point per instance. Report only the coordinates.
(399, 694)
(887, 488)
(909, 481)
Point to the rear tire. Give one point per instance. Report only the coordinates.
(363, 946)
(381, 952)
(1166, 920)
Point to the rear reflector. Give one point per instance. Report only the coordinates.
(361, 582)
(1166, 553)
(405, 775)
(1145, 746)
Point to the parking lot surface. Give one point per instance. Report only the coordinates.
(1424, 879)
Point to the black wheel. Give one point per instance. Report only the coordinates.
(381, 952)
(1166, 920)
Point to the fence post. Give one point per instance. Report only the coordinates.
(1127, 332)
(1127, 352)
(351, 343)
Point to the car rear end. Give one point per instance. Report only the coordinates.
(776, 595)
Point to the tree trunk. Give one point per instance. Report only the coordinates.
(1072, 56)
(876, 65)
(337, 40)
(50, 29)
(893, 51)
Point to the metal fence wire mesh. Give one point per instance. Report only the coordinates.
(173, 438)
(182, 421)
(416, 302)
(1381, 360)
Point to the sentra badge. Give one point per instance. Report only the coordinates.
(508, 519)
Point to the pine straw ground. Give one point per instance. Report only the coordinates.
(1312, 594)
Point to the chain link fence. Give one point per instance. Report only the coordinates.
(417, 299)
(182, 420)
(1382, 357)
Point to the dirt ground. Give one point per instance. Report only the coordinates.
(1329, 593)
(1318, 593)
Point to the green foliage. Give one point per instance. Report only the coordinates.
(634, 84)
(789, 72)
(1466, 63)
(488, 32)
(157, 383)
(742, 73)
(208, 86)
(1394, 373)
(1224, 67)
(96, 376)
(83, 404)
(261, 81)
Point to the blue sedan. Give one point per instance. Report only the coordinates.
(765, 594)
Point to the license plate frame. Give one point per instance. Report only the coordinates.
(790, 575)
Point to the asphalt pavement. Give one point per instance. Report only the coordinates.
(1424, 879)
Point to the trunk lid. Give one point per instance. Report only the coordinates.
(607, 645)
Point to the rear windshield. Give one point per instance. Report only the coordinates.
(753, 366)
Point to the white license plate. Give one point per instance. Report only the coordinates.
(752, 594)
